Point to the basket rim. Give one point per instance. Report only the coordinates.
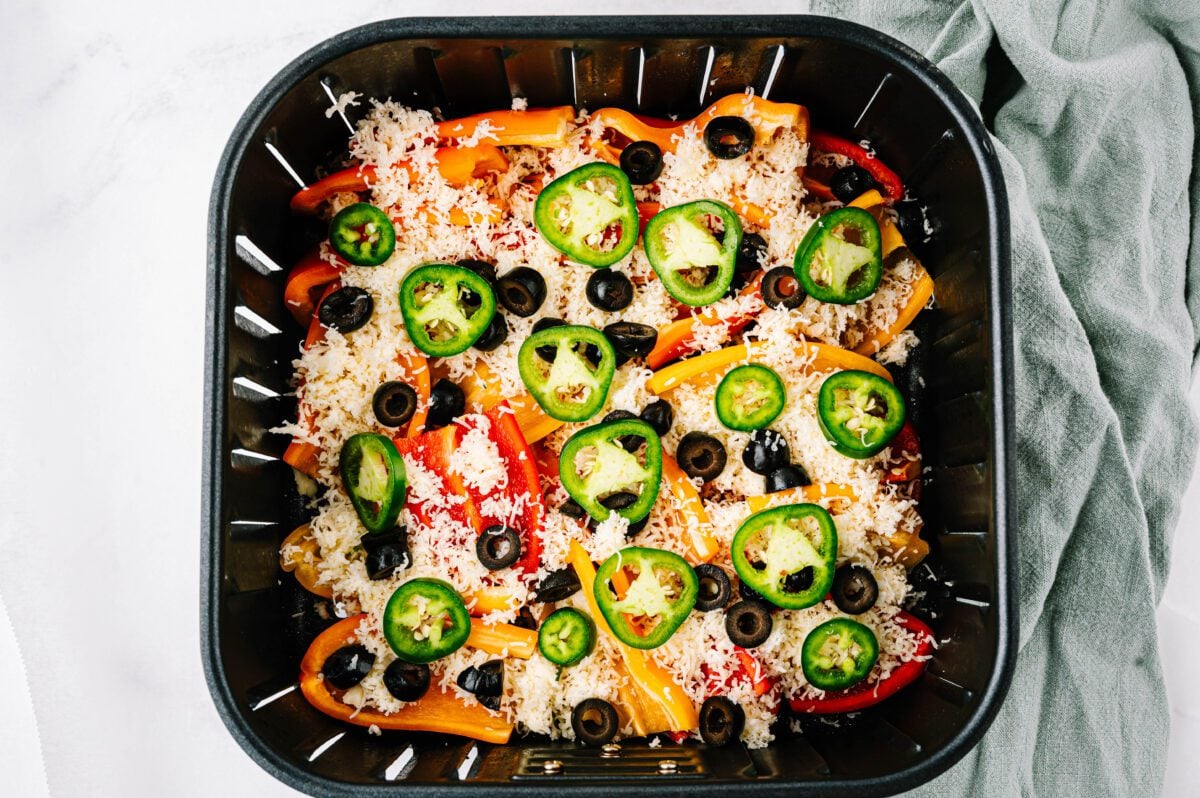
(781, 27)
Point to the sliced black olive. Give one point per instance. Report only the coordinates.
(498, 547)
(406, 681)
(387, 552)
(446, 403)
(571, 509)
(631, 339)
(701, 455)
(347, 666)
(642, 162)
(721, 720)
(485, 681)
(748, 593)
(728, 137)
(525, 619)
(659, 415)
(635, 527)
(522, 291)
(799, 581)
(910, 220)
(854, 589)
(594, 721)
(785, 477)
(748, 624)
(781, 289)
(547, 353)
(629, 443)
(715, 589)
(394, 403)
(752, 254)
(557, 585)
(495, 334)
(766, 451)
(481, 267)
(609, 290)
(346, 309)
(850, 182)
(619, 501)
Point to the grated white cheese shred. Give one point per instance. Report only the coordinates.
(336, 380)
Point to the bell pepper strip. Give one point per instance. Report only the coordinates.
(694, 265)
(354, 179)
(752, 669)
(503, 639)
(461, 165)
(866, 694)
(813, 493)
(522, 491)
(611, 470)
(889, 181)
(821, 357)
(299, 554)
(589, 214)
(433, 712)
(446, 308)
(787, 554)
(304, 457)
(653, 700)
(692, 518)
(316, 330)
(921, 293)
(905, 464)
(868, 200)
(417, 375)
(675, 339)
(658, 599)
(840, 260)
(483, 392)
(572, 387)
(463, 218)
(425, 620)
(484, 600)
(859, 413)
(374, 477)
(541, 127)
(646, 212)
(306, 282)
(431, 452)
(818, 189)
(754, 214)
(908, 548)
(838, 654)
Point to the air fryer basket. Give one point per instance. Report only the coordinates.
(256, 622)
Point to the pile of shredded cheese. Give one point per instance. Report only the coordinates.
(337, 378)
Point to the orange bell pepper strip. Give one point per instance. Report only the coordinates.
(489, 599)
(306, 282)
(482, 390)
(503, 639)
(877, 340)
(822, 357)
(817, 188)
(675, 339)
(542, 127)
(653, 699)
(302, 560)
(416, 368)
(908, 548)
(460, 165)
(304, 457)
(808, 493)
(354, 179)
(702, 546)
(433, 712)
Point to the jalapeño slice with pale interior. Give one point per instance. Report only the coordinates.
(589, 215)
(645, 595)
(566, 637)
(446, 308)
(425, 620)
(750, 397)
(838, 654)
(859, 412)
(694, 249)
(374, 477)
(604, 477)
(568, 370)
(362, 234)
(787, 554)
(840, 259)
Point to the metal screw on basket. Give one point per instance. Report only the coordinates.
(667, 766)
(610, 751)
(552, 766)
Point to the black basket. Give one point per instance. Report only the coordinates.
(256, 622)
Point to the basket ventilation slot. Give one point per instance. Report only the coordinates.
(325, 746)
(325, 84)
(249, 321)
(271, 148)
(775, 63)
(254, 257)
(402, 765)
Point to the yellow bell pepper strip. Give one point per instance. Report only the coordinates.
(542, 127)
(482, 391)
(503, 639)
(702, 546)
(490, 599)
(822, 357)
(867, 200)
(654, 701)
(675, 339)
(302, 560)
(909, 548)
(433, 712)
(813, 493)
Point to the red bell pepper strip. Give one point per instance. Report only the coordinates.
(889, 181)
(864, 694)
(523, 490)
(748, 669)
(354, 179)
(305, 284)
(431, 451)
(902, 467)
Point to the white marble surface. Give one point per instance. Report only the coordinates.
(114, 116)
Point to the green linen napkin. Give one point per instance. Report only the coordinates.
(1094, 123)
